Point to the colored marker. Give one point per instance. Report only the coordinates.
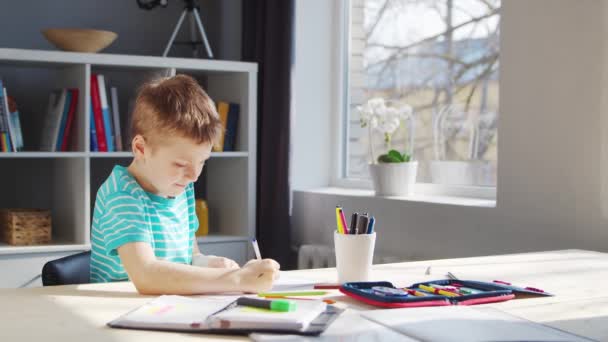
(328, 301)
(272, 305)
(343, 221)
(293, 294)
(438, 291)
(338, 221)
(415, 293)
(370, 226)
(353, 223)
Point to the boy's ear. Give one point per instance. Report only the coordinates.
(138, 146)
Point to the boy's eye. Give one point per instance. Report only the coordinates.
(179, 165)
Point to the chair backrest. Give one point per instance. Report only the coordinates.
(72, 269)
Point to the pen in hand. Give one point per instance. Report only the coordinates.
(256, 250)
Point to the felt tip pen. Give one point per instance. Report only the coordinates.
(370, 225)
(272, 305)
(353, 223)
(343, 222)
(293, 294)
(438, 291)
(338, 222)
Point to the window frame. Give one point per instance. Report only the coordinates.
(340, 124)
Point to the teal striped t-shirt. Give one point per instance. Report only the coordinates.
(124, 213)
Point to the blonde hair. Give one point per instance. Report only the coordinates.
(175, 105)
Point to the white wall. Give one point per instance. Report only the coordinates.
(551, 160)
(313, 93)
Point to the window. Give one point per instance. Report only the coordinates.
(441, 57)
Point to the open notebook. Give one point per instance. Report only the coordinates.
(220, 314)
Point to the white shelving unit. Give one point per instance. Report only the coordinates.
(66, 182)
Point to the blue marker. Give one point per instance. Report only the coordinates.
(370, 226)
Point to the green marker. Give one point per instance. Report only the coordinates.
(279, 305)
(293, 294)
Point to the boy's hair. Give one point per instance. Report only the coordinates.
(175, 105)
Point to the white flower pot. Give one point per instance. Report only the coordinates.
(394, 179)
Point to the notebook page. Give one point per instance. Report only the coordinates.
(175, 311)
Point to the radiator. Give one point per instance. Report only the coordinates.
(323, 256)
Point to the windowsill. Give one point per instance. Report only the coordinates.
(434, 199)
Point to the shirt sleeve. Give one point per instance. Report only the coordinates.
(124, 221)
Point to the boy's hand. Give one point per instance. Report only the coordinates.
(258, 275)
(221, 262)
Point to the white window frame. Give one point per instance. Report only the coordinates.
(341, 61)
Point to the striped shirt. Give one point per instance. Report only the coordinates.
(124, 213)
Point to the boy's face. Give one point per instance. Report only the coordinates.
(173, 163)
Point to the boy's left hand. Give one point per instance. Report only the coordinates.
(221, 262)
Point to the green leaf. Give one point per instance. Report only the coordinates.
(394, 154)
(406, 157)
(387, 158)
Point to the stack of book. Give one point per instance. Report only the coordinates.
(229, 115)
(11, 137)
(105, 123)
(58, 126)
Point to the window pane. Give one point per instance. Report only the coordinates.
(441, 58)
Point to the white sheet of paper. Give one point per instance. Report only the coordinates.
(462, 323)
(177, 311)
(287, 282)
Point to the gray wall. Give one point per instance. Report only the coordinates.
(552, 149)
(139, 31)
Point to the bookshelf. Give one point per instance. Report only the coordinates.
(66, 182)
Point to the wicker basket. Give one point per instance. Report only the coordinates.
(25, 226)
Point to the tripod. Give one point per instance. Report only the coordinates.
(191, 9)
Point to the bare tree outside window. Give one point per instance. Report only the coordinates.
(441, 57)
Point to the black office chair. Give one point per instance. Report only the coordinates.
(72, 269)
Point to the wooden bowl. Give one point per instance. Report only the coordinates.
(79, 40)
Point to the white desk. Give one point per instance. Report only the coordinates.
(80, 312)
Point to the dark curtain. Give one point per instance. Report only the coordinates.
(268, 39)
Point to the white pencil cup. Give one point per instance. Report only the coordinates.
(354, 255)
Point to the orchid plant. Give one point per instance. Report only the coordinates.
(377, 115)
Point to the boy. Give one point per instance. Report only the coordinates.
(144, 219)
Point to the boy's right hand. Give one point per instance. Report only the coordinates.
(258, 275)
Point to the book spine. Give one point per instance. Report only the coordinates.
(105, 111)
(99, 129)
(231, 127)
(46, 139)
(64, 119)
(68, 126)
(57, 117)
(3, 113)
(222, 110)
(93, 133)
(116, 114)
(12, 141)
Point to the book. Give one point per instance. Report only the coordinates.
(63, 121)
(116, 119)
(70, 119)
(11, 138)
(222, 314)
(100, 132)
(231, 127)
(4, 132)
(93, 133)
(222, 110)
(105, 113)
(15, 122)
(50, 130)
